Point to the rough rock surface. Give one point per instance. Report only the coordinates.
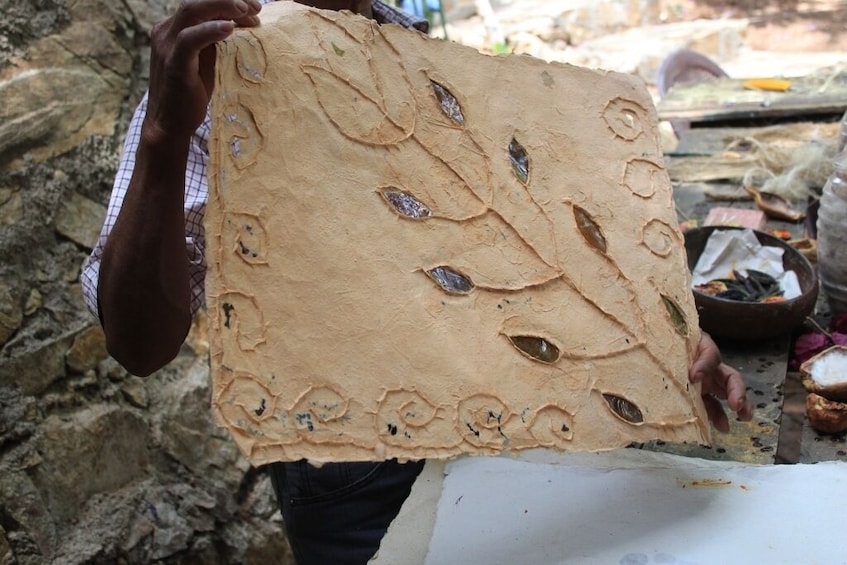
(96, 466)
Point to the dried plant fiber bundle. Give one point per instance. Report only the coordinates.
(419, 251)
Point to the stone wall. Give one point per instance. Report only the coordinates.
(96, 466)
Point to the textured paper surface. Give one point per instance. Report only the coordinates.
(416, 250)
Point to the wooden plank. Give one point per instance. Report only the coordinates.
(691, 201)
(694, 200)
(763, 363)
(798, 441)
(705, 169)
(791, 420)
(709, 154)
(716, 140)
(741, 111)
(815, 447)
(727, 99)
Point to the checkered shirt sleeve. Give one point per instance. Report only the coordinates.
(196, 187)
(196, 191)
(385, 14)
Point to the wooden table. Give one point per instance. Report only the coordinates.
(779, 431)
(729, 100)
(764, 366)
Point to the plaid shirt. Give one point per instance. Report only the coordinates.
(196, 187)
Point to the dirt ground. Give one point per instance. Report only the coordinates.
(782, 25)
(746, 37)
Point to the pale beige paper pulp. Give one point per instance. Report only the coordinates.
(352, 164)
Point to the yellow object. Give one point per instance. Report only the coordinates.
(770, 84)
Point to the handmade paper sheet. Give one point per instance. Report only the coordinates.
(417, 250)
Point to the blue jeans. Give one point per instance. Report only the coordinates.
(337, 513)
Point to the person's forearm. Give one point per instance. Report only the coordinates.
(144, 282)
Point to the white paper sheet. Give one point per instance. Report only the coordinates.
(629, 507)
(739, 250)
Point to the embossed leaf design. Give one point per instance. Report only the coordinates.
(359, 116)
(527, 255)
(550, 320)
(519, 260)
(369, 103)
(491, 252)
(246, 139)
(245, 234)
(250, 58)
(453, 147)
(436, 185)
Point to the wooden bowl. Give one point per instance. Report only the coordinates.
(751, 320)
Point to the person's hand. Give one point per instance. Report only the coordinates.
(183, 58)
(719, 382)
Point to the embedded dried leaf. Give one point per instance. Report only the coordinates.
(449, 105)
(406, 205)
(677, 317)
(520, 160)
(625, 409)
(536, 347)
(450, 280)
(589, 229)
